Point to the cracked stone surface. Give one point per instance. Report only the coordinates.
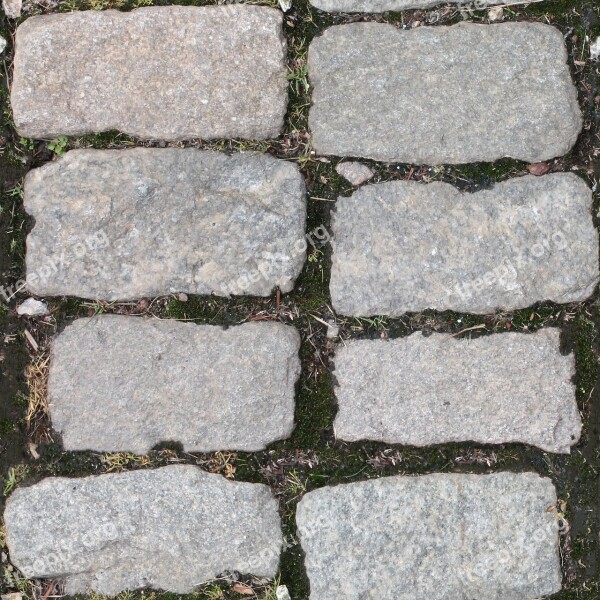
(405, 246)
(447, 94)
(168, 72)
(126, 224)
(438, 389)
(440, 537)
(121, 383)
(171, 528)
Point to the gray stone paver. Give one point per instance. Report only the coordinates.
(122, 383)
(125, 224)
(167, 72)
(171, 528)
(404, 246)
(425, 390)
(376, 6)
(434, 95)
(435, 537)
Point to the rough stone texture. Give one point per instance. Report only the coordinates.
(439, 537)
(171, 528)
(355, 172)
(435, 95)
(114, 224)
(2, 44)
(420, 391)
(405, 246)
(374, 6)
(169, 72)
(32, 308)
(12, 8)
(126, 384)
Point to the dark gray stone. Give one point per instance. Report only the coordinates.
(439, 537)
(166, 72)
(126, 384)
(125, 224)
(421, 391)
(404, 246)
(171, 529)
(443, 94)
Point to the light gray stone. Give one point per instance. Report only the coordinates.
(355, 172)
(404, 246)
(170, 72)
(126, 384)
(595, 49)
(12, 8)
(439, 537)
(124, 224)
(424, 390)
(374, 6)
(2, 44)
(171, 528)
(435, 95)
(32, 308)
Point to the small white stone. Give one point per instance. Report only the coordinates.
(595, 49)
(496, 13)
(12, 596)
(333, 330)
(355, 172)
(2, 44)
(32, 308)
(12, 8)
(282, 593)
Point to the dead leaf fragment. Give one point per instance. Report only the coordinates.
(538, 169)
(240, 588)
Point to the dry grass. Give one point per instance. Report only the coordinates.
(36, 418)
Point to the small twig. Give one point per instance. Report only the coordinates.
(31, 340)
(482, 326)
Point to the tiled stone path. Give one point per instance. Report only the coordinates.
(122, 384)
(404, 246)
(158, 72)
(127, 224)
(442, 94)
(456, 390)
(440, 537)
(115, 225)
(169, 528)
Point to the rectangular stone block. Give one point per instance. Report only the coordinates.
(434, 95)
(165, 72)
(122, 383)
(125, 224)
(170, 529)
(437, 389)
(375, 6)
(404, 246)
(439, 537)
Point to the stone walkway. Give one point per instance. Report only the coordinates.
(131, 224)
